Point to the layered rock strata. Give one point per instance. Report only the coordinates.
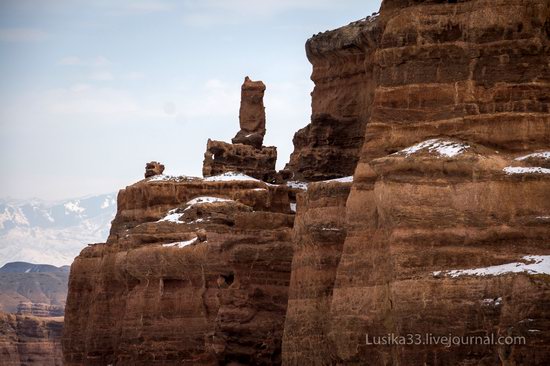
(28, 340)
(343, 73)
(40, 310)
(194, 272)
(447, 229)
(444, 238)
(221, 157)
(246, 154)
(319, 234)
(251, 114)
(441, 111)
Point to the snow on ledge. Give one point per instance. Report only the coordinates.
(180, 244)
(230, 176)
(439, 146)
(293, 206)
(537, 155)
(172, 216)
(206, 199)
(167, 178)
(340, 180)
(492, 302)
(297, 184)
(331, 229)
(532, 264)
(525, 170)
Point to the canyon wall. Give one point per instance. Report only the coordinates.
(447, 219)
(440, 111)
(194, 272)
(319, 234)
(341, 102)
(30, 340)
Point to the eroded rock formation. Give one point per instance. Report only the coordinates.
(194, 272)
(319, 234)
(447, 219)
(343, 69)
(246, 154)
(153, 168)
(29, 340)
(221, 157)
(440, 110)
(251, 114)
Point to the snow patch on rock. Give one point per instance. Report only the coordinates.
(438, 146)
(172, 216)
(525, 170)
(207, 199)
(297, 185)
(230, 176)
(531, 264)
(180, 244)
(340, 180)
(169, 178)
(537, 155)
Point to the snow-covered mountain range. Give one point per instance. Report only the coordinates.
(53, 233)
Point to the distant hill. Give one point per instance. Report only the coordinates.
(22, 282)
(24, 267)
(54, 233)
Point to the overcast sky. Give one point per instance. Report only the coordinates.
(92, 90)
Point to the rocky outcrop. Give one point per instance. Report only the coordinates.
(40, 310)
(153, 168)
(343, 73)
(489, 83)
(194, 272)
(246, 154)
(319, 234)
(28, 340)
(440, 110)
(251, 114)
(447, 216)
(221, 157)
(453, 241)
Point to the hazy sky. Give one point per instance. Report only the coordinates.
(92, 90)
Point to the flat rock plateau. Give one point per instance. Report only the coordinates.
(416, 202)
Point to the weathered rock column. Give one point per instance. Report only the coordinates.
(246, 154)
(251, 114)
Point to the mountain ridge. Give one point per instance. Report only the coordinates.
(54, 232)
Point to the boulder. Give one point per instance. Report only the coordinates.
(153, 168)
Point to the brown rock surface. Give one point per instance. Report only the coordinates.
(343, 73)
(28, 340)
(221, 157)
(40, 310)
(414, 217)
(153, 168)
(474, 74)
(135, 301)
(251, 114)
(319, 234)
(441, 111)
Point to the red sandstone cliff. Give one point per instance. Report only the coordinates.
(194, 272)
(451, 234)
(440, 110)
(29, 340)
